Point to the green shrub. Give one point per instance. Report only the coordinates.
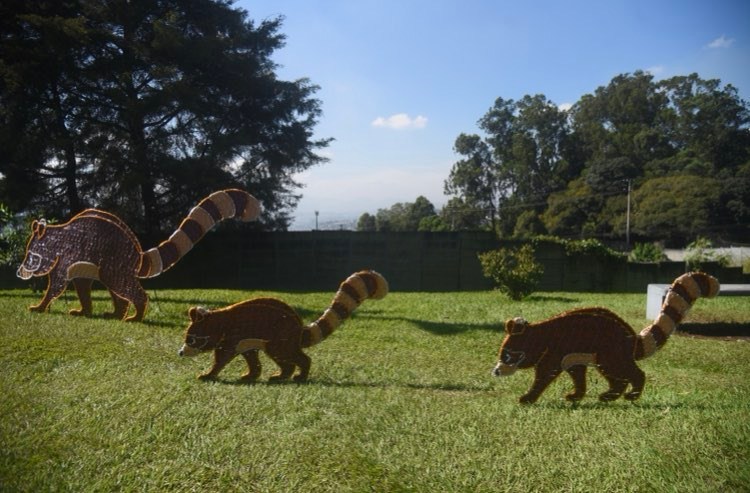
(515, 271)
(573, 248)
(647, 252)
(701, 252)
(13, 234)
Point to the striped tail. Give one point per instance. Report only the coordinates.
(680, 298)
(218, 206)
(358, 287)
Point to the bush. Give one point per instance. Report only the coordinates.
(574, 248)
(13, 234)
(701, 252)
(515, 271)
(647, 252)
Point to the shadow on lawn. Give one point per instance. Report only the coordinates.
(325, 382)
(725, 330)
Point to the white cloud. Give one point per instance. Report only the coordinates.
(400, 121)
(565, 106)
(721, 42)
(655, 70)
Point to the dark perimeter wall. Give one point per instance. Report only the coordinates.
(320, 260)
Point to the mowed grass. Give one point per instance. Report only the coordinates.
(400, 398)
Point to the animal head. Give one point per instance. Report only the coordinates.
(200, 335)
(518, 349)
(40, 258)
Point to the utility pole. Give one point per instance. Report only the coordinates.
(627, 220)
(316, 219)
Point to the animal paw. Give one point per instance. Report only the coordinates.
(206, 376)
(573, 397)
(528, 399)
(37, 309)
(631, 396)
(609, 396)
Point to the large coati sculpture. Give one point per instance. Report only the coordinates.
(273, 326)
(97, 245)
(596, 336)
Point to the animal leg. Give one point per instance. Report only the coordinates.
(221, 358)
(130, 290)
(303, 362)
(287, 368)
(545, 372)
(83, 289)
(617, 383)
(253, 365)
(578, 374)
(56, 285)
(637, 380)
(121, 306)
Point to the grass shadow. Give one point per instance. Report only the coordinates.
(326, 382)
(715, 329)
(435, 327)
(551, 298)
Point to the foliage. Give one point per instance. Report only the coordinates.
(515, 271)
(700, 252)
(647, 252)
(13, 235)
(666, 141)
(590, 246)
(143, 109)
(675, 208)
(93, 405)
(402, 216)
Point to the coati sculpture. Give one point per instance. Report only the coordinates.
(97, 245)
(596, 336)
(271, 325)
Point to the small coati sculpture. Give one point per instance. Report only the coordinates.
(273, 326)
(97, 245)
(596, 336)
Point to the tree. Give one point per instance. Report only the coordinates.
(474, 179)
(675, 208)
(366, 222)
(519, 163)
(162, 103)
(402, 216)
(539, 168)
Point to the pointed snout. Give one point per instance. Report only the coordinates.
(186, 350)
(503, 370)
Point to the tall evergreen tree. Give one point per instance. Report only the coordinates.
(162, 102)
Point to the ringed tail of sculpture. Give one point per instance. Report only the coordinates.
(679, 299)
(224, 204)
(357, 288)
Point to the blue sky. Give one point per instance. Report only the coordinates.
(401, 79)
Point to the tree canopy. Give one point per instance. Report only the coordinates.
(144, 107)
(682, 146)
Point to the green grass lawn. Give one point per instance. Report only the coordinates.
(400, 398)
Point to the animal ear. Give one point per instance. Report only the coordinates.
(197, 313)
(39, 227)
(515, 326)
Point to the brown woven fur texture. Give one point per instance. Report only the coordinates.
(271, 325)
(597, 337)
(97, 245)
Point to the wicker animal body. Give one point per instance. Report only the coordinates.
(596, 336)
(271, 325)
(97, 245)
